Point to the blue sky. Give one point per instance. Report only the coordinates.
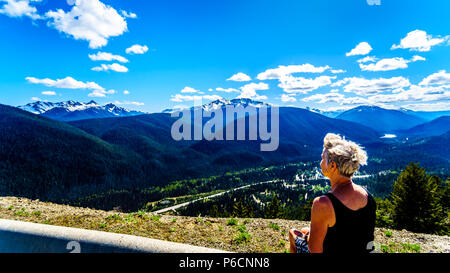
(286, 52)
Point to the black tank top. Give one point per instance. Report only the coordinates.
(353, 230)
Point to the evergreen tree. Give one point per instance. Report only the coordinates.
(214, 211)
(274, 209)
(239, 210)
(250, 211)
(416, 201)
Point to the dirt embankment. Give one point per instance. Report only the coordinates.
(238, 235)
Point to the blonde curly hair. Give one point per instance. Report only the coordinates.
(347, 155)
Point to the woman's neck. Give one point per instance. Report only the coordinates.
(340, 181)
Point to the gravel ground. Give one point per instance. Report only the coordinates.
(246, 235)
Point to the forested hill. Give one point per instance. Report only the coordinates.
(65, 162)
(47, 159)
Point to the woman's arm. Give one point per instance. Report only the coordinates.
(321, 216)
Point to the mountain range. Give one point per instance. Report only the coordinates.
(380, 119)
(72, 110)
(44, 158)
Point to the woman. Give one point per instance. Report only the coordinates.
(343, 220)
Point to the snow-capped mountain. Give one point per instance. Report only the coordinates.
(40, 107)
(217, 104)
(73, 110)
(330, 114)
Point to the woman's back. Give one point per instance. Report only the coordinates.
(354, 223)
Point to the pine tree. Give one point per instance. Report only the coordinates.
(250, 211)
(416, 201)
(239, 210)
(214, 211)
(274, 209)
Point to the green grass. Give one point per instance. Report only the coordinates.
(400, 248)
(274, 226)
(242, 228)
(36, 213)
(115, 217)
(232, 222)
(21, 213)
(388, 233)
(411, 248)
(243, 237)
(155, 218)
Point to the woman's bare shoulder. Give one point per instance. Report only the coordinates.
(322, 203)
(361, 190)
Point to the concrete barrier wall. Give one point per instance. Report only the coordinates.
(24, 237)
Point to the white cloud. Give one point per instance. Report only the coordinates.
(302, 85)
(240, 77)
(36, 99)
(105, 56)
(365, 87)
(227, 90)
(336, 71)
(114, 67)
(288, 98)
(71, 83)
(354, 100)
(340, 82)
(367, 59)
(324, 98)
(211, 97)
(283, 71)
(385, 64)
(249, 91)
(438, 106)
(181, 98)
(418, 40)
(362, 48)
(19, 8)
(135, 103)
(68, 83)
(128, 14)
(89, 20)
(49, 93)
(336, 108)
(416, 58)
(188, 89)
(101, 93)
(136, 49)
(414, 93)
(126, 92)
(439, 78)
